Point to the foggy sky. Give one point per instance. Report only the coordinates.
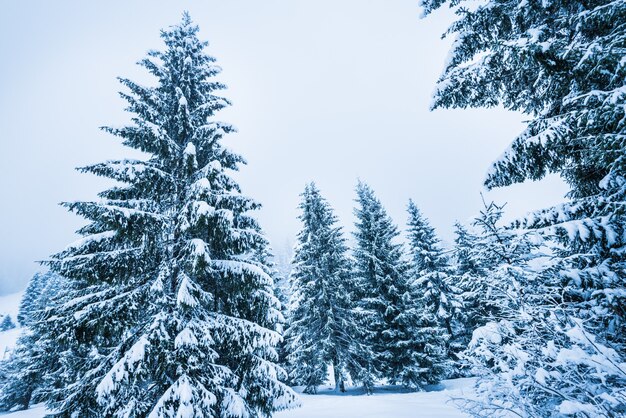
(329, 91)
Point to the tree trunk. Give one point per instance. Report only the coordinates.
(339, 384)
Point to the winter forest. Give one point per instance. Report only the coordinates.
(173, 302)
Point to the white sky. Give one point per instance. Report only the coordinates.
(323, 90)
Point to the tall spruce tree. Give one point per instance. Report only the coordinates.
(322, 330)
(464, 245)
(171, 310)
(475, 296)
(385, 303)
(281, 292)
(469, 273)
(437, 302)
(561, 62)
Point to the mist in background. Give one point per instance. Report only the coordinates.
(322, 90)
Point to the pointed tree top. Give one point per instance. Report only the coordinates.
(185, 23)
(413, 209)
(365, 193)
(186, 19)
(311, 187)
(423, 241)
(185, 29)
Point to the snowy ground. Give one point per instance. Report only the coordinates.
(436, 402)
(9, 304)
(385, 403)
(37, 412)
(7, 341)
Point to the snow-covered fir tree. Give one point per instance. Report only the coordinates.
(564, 66)
(171, 311)
(513, 307)
(42, 289)
(322, 330)
(469, 273)
(282, 266)
(385, 304)
(28, 303)
(462, 256)
(437, 304)
(478, 256)
(281, 291)
(509, 272)
(6, 323)
(24, 371)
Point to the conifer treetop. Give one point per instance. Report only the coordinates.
(428, 256)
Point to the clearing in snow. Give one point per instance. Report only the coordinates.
(387, 402)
